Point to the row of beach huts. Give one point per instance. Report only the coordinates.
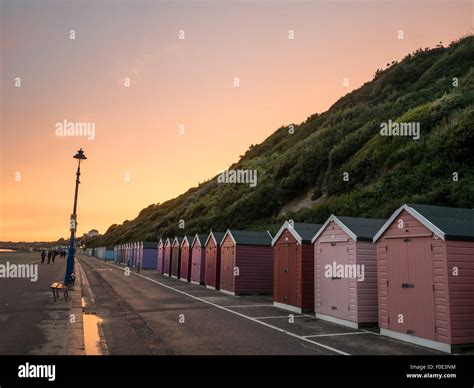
(412, 274)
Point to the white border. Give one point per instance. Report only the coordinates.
(228, 232)
(415, 214)
(287, 226)
(176, 240)
(334, 218)
(185, 238)
(196, 237)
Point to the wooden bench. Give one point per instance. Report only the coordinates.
(59, 286)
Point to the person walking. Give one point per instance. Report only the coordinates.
(43, 255)
(54, 255)
(49, 256)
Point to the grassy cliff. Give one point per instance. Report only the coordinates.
(337, 161)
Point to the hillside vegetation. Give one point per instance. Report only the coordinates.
(434, 87)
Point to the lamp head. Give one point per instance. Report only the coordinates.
(80, 155)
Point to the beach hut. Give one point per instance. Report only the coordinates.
(160, 255)
(129, 254)
(198, 259)
(425, 257)
(99, 252)
(122, 253)
(345, 278)
(167, 257)
(136, 253)
(109, 253)
(293, 267)
(132, 254)
(246, 262)
(176, 257)
(140, 254)
(213, 260)
(186, 255)
(148, 254)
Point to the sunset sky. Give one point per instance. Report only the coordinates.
(175, 82)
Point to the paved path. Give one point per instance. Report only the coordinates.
(148, 313)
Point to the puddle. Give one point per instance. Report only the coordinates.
(91, 335)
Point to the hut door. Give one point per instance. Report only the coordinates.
(167, 261)
(287, 274)
(410, 287)
(211, 266)
(282, 289)
(420, 276)
(227, 267)
(174, 261)
(194, 267)
(334, 287)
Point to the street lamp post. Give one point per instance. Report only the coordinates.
(68, 279)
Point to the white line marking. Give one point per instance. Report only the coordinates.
(250, 305)
(242, 315)
(370, 332)
(280, 317)
(334, 334)
(185, 288)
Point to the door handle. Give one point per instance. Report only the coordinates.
(408, 285)
(285, 269)
(334, 307)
